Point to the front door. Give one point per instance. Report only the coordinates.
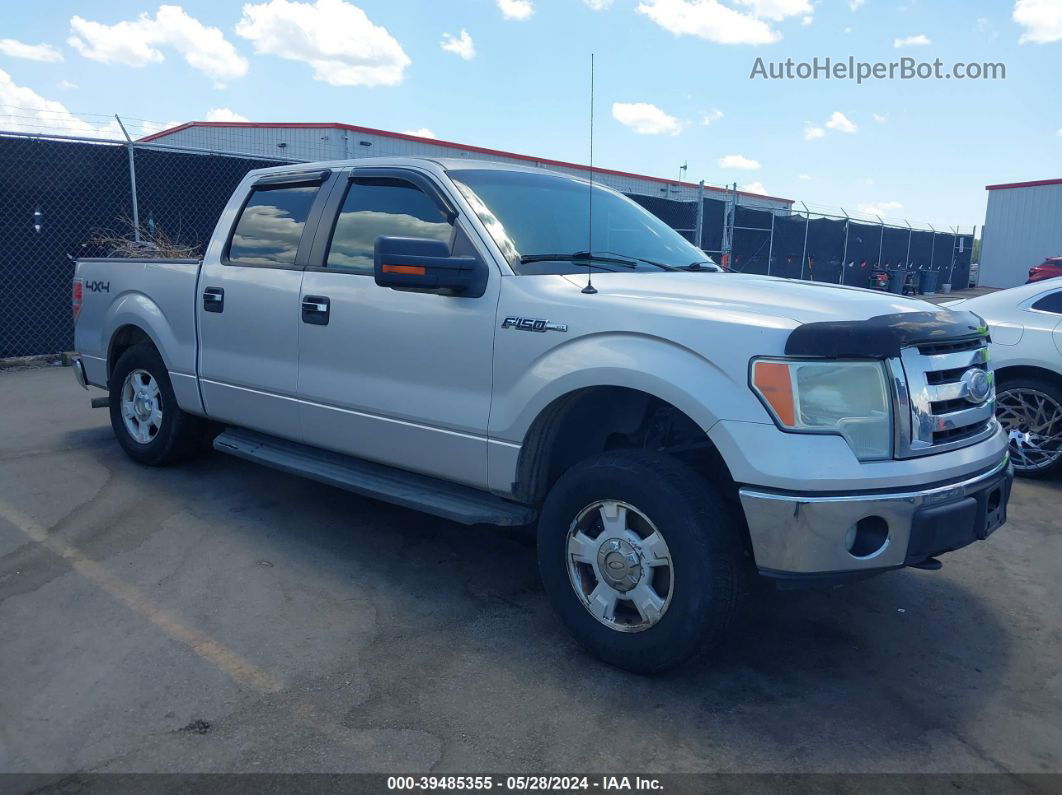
(398, 377)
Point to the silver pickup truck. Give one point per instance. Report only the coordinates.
(457, 337)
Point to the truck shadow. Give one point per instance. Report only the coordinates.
(464, 644)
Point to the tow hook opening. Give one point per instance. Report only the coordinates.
(867, 537)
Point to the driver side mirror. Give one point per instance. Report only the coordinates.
(413, 263)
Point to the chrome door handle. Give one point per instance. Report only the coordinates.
(316, 309)
(214, 299)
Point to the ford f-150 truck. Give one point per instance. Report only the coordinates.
(504, 345)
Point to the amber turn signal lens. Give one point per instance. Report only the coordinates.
(409, 270)
(772, 380)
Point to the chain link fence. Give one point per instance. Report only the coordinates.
(63, 198)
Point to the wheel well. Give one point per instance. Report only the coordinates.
(593, 420)
(122, 340)
(1027, 371)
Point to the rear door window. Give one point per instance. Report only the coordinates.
(270, 226)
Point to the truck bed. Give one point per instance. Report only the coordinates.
(154, 294)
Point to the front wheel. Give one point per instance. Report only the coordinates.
(1030, 411)
(640, 558)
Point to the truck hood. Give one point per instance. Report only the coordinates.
(768, 296)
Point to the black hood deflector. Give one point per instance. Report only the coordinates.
(883, 336)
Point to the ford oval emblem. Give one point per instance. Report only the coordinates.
(978, 385)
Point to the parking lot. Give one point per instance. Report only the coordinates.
(224, 617)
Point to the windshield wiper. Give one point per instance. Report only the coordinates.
(654, 263)
(697, 266)
(578, 256)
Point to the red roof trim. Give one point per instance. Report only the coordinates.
(1035, 184)
(451, 145)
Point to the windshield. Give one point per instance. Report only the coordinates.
(537, 219)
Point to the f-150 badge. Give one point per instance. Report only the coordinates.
(532, 324)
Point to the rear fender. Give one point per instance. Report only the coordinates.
(134, 308)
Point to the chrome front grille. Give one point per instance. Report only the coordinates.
(935, 410)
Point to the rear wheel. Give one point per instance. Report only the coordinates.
(640, 559)
(144, 413)
(1030, 411)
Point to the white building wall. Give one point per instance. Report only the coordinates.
(1022, 226)
(336, 143)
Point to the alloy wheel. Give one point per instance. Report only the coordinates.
(620, 566)
(1033, 422)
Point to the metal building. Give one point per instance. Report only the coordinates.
(1023, 225)
(334, 141)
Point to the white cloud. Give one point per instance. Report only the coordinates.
(224, 114)
(777, 10)
(460, 45)
(855, 4)
(739, 161)
(755, 187)
(645, 118)
(31, 52)
(921, 40)
(135, 43)
(598, 5)
(812, 131)
(880, 208)
(804, 177)
(1042, 20)
(880, 118)
(24, 110)
(711, 116)
(807, 21)
(335, 38)
(722, 24)
(838, 121)
(869, 181)
(423, 132)
(1060, 133)
(66, 85)
(516, 9)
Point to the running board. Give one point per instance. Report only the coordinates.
(420, 492)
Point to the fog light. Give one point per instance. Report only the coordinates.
(867, 537)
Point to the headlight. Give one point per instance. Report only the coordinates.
(846, 398)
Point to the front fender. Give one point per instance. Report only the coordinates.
(665, 369)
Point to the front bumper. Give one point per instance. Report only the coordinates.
(815, 536)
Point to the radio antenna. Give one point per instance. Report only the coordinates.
(590, 289)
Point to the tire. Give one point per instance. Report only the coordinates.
(1035, 437)
(696, 593)
(155, 439)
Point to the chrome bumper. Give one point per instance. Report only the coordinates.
(812, 534)
(79, 371)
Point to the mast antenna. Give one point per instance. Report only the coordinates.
(590, 289)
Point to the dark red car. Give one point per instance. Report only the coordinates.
(1048, 269)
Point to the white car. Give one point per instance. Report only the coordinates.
(1025, 324)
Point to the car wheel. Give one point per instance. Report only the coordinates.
(640, 558)
(144, 414)
(1030, 411)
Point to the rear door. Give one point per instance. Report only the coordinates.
(400, 377)
(248, 305)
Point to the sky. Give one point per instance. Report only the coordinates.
(674, 84)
